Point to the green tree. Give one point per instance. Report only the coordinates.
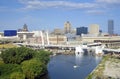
(7, 69)
(17, 75)
(17, 55)
(42, 56)
(23, 63)
(33, 68)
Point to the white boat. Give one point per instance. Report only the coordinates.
(75, 66)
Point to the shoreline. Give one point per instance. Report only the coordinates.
(65, 52)
(108, 68)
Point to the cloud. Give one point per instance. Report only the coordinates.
(96, 12)
(93, 7)
(6, 9)
(109, 1)
(39, 4)
(109, 4)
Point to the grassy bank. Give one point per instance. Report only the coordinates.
(9, 45)
(106, 69)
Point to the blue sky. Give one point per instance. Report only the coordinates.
(50, 14)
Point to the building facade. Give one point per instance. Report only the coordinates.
(81, 30)
(24, 29)
(109, 41)
(94, 29)
(111, 27)
(58, 31)
(67, 27)
(57, 39)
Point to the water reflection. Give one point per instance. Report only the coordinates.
(63, 66)
(78, 60)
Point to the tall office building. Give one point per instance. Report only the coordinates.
(110, 27)
(94, 29)
(67, 27)
(81, 30)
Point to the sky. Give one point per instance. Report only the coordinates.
(51, 14)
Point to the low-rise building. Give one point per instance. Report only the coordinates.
(109, 41)
(57, 39)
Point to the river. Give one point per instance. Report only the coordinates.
(71, 66)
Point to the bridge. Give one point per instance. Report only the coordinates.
(39, 46)
(111, 51)
(95, 46)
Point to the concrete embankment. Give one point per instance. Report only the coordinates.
(66, 52)
(108, 68)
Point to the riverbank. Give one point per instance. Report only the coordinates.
(65, 52)
(6, 46)
(109, 68)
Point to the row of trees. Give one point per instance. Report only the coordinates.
(23, 63)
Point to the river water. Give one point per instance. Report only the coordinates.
(71, 66)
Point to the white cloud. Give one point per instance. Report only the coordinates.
(38, 4)
(109, 1)
(109, 4)
(93, 7)
(96, 12)
(6, 9)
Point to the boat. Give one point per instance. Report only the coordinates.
(75, 66)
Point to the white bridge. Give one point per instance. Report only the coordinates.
(98, 48)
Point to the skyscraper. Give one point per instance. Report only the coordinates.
(81, 30)
(110, 27)
(94, 29)
(67, 27)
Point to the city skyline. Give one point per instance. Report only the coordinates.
(49, 14)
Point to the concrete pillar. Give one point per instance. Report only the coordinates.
(47, 38)
(42, 39)
(24, 36)
(69, 48)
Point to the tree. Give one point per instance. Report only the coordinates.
(33, 68)
(43, 56)
(17, 75)
(17, 55)
(23, 63)
(7, 69)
